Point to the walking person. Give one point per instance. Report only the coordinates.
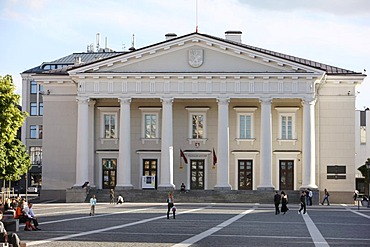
(277, 199)
(92, 204)
(326, 197)
(170, 204)
(303, 203)
(111, 196)
(284, 202)
(309, 196)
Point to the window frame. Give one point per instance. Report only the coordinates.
(197, 111)
(35, 153)
(109, 111)
(33, 109)
(287, 112)
(246, 111)
(150, 111)
(33, 87)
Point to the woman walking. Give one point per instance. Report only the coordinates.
(284, 202)
(170, 204)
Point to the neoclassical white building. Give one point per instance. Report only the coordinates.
(272, 121)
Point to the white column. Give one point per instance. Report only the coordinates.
(266, 146)
(82, 151)
(166, 164)
(91, 144)
(124, 155)
(309, 164)
(223, 145)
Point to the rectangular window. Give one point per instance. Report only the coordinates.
(33, 109)
(40, 132)
(36, 155)
(33, 131)
(363, 127)
(151, 125)
(41, 109)
(33, 87)
(286, 128)
(109, 126)
(197, 126)
(245, 125)
(336, 172)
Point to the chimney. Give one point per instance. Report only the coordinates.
(235, 36)
(170, 36)
(77, 60)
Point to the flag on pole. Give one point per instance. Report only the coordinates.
(182, 155)
(214, 157)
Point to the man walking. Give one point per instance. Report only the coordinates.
(277, 199)
(303, 203)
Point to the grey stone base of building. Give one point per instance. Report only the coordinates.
(222, 188)
(76, 194)
(265, 188)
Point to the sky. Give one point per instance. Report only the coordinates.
(334, 32)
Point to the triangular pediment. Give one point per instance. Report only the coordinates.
(195, 53)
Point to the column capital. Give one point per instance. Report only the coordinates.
(308, 101)
(223, 101)
(124, 100)
(167, 101)
(82, 100)
(265, 101)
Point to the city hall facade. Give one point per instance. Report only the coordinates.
(212, 113)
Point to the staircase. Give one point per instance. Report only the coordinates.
(197, 196)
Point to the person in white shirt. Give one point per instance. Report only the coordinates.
(31, 215)
(92, 204)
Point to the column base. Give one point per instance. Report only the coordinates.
(76, 194)
(165, 187)
(222, 187)
(309, 186)
(264, 188)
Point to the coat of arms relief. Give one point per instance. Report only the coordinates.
(196, 58)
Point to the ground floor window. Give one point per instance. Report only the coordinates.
(150, 167)
(245, 174)
(197, 174)
(286, 174)
(109, 173)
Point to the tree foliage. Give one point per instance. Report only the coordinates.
(14, 159)
(364, 171)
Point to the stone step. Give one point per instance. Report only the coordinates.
(198, 196)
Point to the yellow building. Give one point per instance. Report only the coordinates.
(244, 118)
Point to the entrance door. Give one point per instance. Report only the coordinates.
(109, 173)
(150, 168)
(245, 174)
(286, 172)
(197, 174)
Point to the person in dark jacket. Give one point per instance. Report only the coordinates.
(284, 202)
(277, 199)
(303, 203)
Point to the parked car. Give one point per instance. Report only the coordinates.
(33, 189)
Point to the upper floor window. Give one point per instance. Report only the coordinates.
(363, 127)
(41, 109)
(110, 126)
(36, 155)
(33, 109)
(150, 123)
(33, 87)
(197, 123)
(36, 131)
(33, 131)
(109, 123)
(245, 123)
(287, 123)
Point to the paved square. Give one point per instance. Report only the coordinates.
(133, 224)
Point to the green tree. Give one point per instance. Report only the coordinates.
(14, 159)
(365, 173)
